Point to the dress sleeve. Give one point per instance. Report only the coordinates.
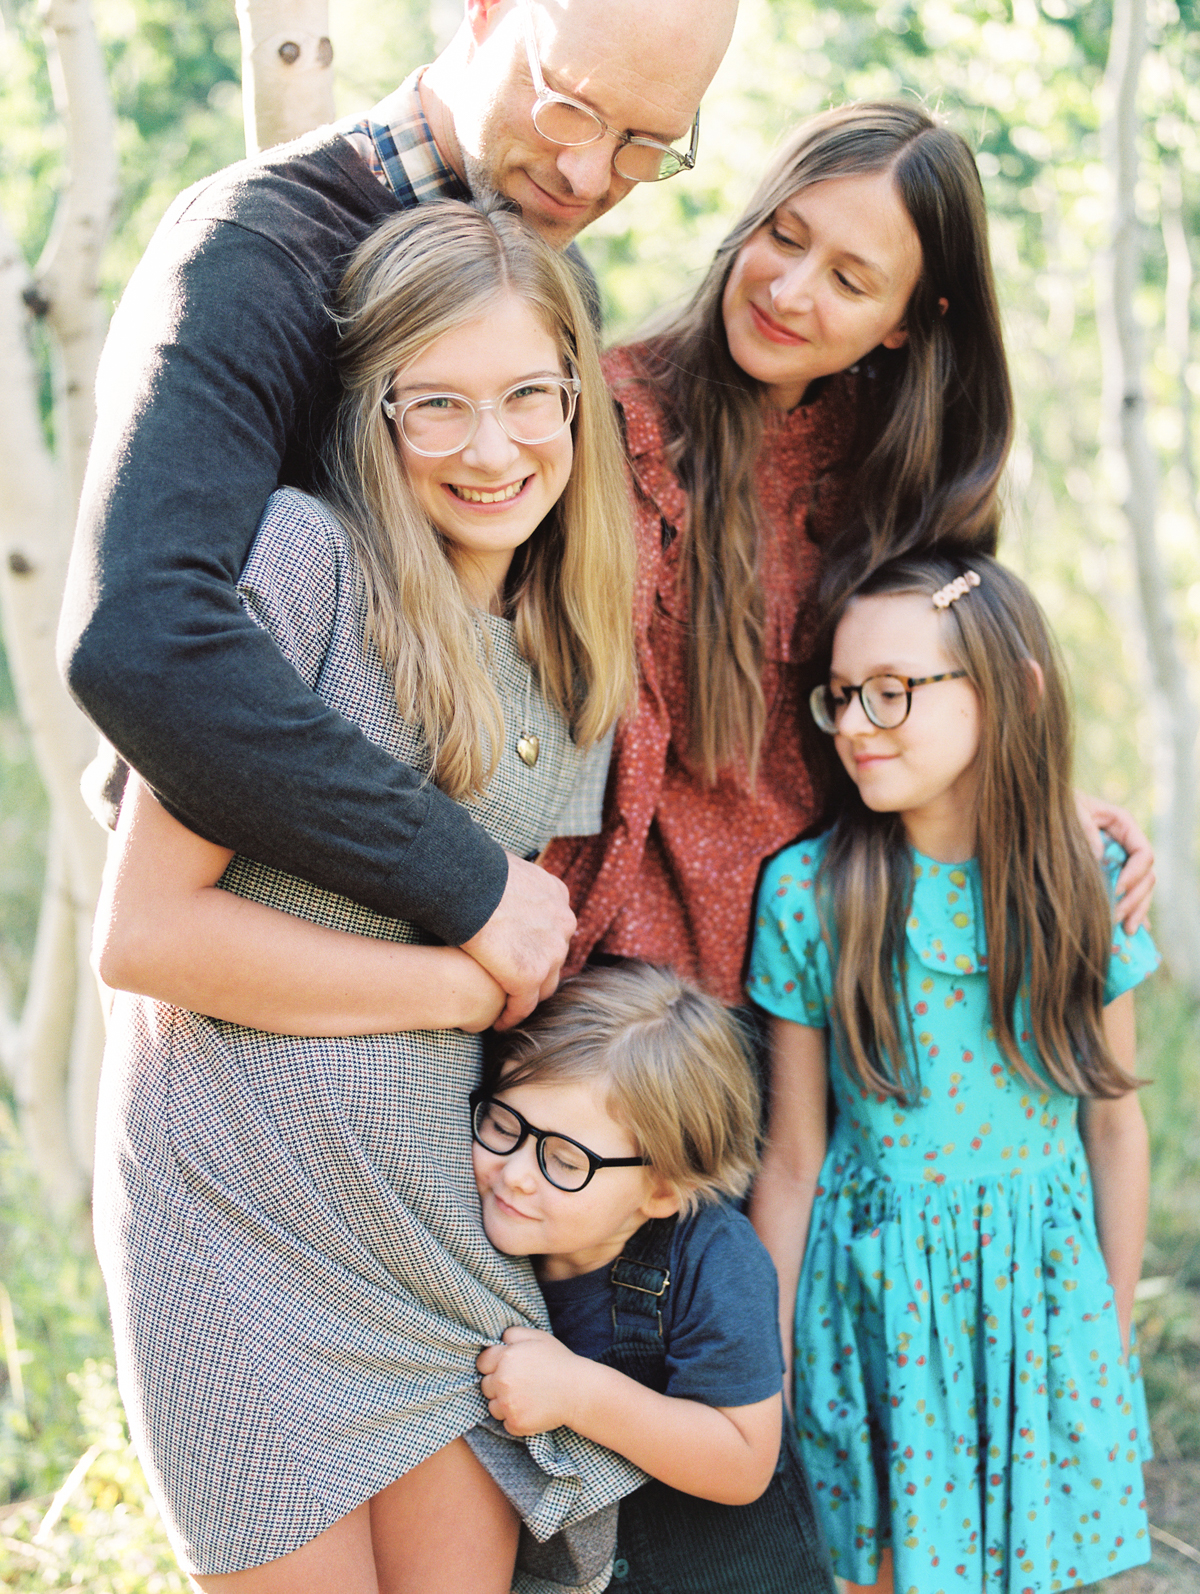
(790, 971)
(722, 1328)
(290, 583)
(1134, 957)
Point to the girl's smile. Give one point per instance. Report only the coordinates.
(926, 768)
(490, 497)
(825, 281)
(499, 495)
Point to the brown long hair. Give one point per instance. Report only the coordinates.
(418, 276)
(1045, 908)
(935, 433)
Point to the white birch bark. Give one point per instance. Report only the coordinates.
(1177, 322)
(1174, 714)
(53, 1055)
(287, 69)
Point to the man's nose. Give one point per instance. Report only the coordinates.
(588, 168)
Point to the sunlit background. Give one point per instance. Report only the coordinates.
(1023, 85)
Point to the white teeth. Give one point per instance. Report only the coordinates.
(473, 496)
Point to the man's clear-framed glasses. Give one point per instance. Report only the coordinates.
(568, 122)
(567, 1165)
(529, 412)
(886, 699)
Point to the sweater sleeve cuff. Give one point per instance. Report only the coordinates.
(454, 870)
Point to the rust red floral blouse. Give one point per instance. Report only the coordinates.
(671, 877)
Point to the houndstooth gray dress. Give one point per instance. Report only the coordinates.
(289, 1228)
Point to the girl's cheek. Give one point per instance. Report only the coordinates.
(843, 752)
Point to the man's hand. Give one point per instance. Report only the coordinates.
(531, 1382)
(524, 943)
(1135, 883)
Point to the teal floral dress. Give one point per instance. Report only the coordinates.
(960, 1391)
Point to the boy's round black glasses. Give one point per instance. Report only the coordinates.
(886, 699)
(567, 1165)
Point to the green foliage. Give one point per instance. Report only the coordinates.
(60, 1319)
(1021, 79)
(175, 75)
(59, 1403)
(30, 139)
(375, 47)
(104, 1533)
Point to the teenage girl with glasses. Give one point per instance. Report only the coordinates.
(285, 1209)
(613, 1132)
(957, 1264)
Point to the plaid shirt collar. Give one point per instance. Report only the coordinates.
(396, 142)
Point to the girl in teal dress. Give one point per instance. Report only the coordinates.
(961, 1251)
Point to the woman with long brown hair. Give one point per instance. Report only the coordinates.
(835, 391)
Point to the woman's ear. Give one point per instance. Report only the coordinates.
(898, 337)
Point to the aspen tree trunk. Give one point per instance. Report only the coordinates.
(1177, 326)
(1174, 714)
(287, 69)
(52, 1053)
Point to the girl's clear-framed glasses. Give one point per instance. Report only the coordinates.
(567, 1165)
(529, 412)
(886, 699)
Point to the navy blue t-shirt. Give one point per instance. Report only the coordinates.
(720, 1314)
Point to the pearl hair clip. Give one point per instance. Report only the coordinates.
(953, 590)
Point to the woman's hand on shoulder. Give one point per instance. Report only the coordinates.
(1135, 883)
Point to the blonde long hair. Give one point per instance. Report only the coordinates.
(1046, 913)
(937, 423)
(420, 275)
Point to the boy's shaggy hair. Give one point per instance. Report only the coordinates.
(674, 1062)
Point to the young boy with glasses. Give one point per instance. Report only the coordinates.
(612, 1133)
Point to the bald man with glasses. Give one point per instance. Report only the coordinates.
(214, 389)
